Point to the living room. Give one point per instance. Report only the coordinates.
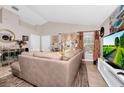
(38, 45)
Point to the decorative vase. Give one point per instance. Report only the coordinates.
(62, 52)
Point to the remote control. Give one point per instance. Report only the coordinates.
(120, 73)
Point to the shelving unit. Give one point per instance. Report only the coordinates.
(7, 58)
(110, 74)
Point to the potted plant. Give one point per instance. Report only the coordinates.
(21, 43)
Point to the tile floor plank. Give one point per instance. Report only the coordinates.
(94, 77)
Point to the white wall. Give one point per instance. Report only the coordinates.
(12, 22)
(106, 26)
(18, 30)
(52, 28)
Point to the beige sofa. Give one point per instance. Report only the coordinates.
(45, 72)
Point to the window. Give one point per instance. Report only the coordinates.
(88, 45)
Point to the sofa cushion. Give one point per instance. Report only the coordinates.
(71, 52)
(51, 55)
(56, 55)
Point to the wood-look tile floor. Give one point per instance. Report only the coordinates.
(94, 77)
(82, 79)
(5, 71)
(12, 81)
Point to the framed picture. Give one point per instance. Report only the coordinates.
(25, 38)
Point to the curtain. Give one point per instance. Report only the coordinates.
(96, 51)
(80, 40)
(72, 36)
(64, 38)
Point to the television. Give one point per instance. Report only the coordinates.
(113, 49)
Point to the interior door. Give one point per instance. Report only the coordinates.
(34, 43)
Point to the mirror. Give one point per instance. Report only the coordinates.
(6, 35)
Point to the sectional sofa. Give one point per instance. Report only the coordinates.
(47, 70)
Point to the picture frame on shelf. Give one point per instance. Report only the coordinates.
(25, 38)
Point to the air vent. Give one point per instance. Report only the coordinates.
(15, 8)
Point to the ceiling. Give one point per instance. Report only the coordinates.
(26, 14)
(92, 15)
